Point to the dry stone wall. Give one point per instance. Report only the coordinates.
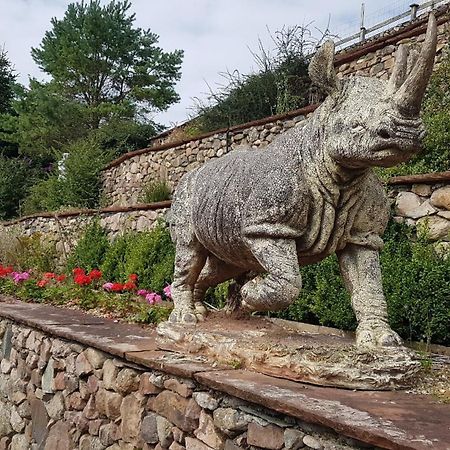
(124, 182)
(65, 229)
(423, 202)
(59, 394)
(124, 179)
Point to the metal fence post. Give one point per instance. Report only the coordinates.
(414, 7)
(362, 29)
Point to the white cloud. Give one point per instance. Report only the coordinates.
(215, 35)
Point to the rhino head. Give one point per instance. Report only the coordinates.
(367, 122)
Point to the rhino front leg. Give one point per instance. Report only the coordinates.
(189, 260)
(282, 284)
(360, 269)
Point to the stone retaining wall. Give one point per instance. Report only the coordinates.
(70, 380)
(56, 394)
(423, 202)
(124, 179)
(65, 229)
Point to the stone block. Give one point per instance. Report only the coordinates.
(82, 365)
(109, 434)
(195, 444)
(312, 442)
(131, 412)
(180, 411)
(229, 419)
(205, 400)
(110, 372)
(149, 431)
(424, 190)
(164, 429)
(127, 381)
(434, 228)
(406, 202)
(39, 421)
(208, 433)
(59, 437)
(108, 403)
(293, 439)
(95, 357)
(146, 386)
(55, 407)
(176, 386)
(441, 198)
(269, 436)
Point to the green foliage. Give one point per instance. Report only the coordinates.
(323, 299)
(150, 255)
(95, 55)
(156, 191)
(90, 251)
(156, 314)
(75, 182)
(7, 82)
(16, 176)
(27, 252)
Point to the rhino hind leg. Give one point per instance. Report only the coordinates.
(282, 284)
(213, 273)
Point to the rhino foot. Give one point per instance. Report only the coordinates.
(185, 316)
(377, 335)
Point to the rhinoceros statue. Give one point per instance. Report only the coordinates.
(310, 193)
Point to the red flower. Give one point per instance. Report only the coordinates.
(133, 277)
(49, 275)
(95, 274)
(60, 278)
(4, 271)
(42, 283)
(129, 286)
(117, 287)
(78, 271)
(82, 279)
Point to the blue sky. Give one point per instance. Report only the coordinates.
(215, 34)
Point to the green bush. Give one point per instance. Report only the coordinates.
(90, 251)
(156, 191)
(75, 182)
(27, 252)
(149, 254)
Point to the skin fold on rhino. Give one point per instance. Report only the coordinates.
(310, 193)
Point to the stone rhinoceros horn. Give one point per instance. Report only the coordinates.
(410, 93)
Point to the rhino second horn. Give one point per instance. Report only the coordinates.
(410, 94)
(399, 71)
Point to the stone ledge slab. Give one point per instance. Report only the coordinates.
(391, 420)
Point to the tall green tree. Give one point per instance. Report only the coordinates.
(96, 56)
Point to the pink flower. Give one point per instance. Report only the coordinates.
(168, 291)
(107, 286)
(153, 298)
(142, 292)
(20, 276)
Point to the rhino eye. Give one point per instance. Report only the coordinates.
(357, 128)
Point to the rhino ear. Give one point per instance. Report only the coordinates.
(321, 69)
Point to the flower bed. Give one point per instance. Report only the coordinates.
(88, 290)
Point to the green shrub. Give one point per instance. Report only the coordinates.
(28, 252)
(156, 191)
(90, 251)
(75, 182)
(149, 254)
